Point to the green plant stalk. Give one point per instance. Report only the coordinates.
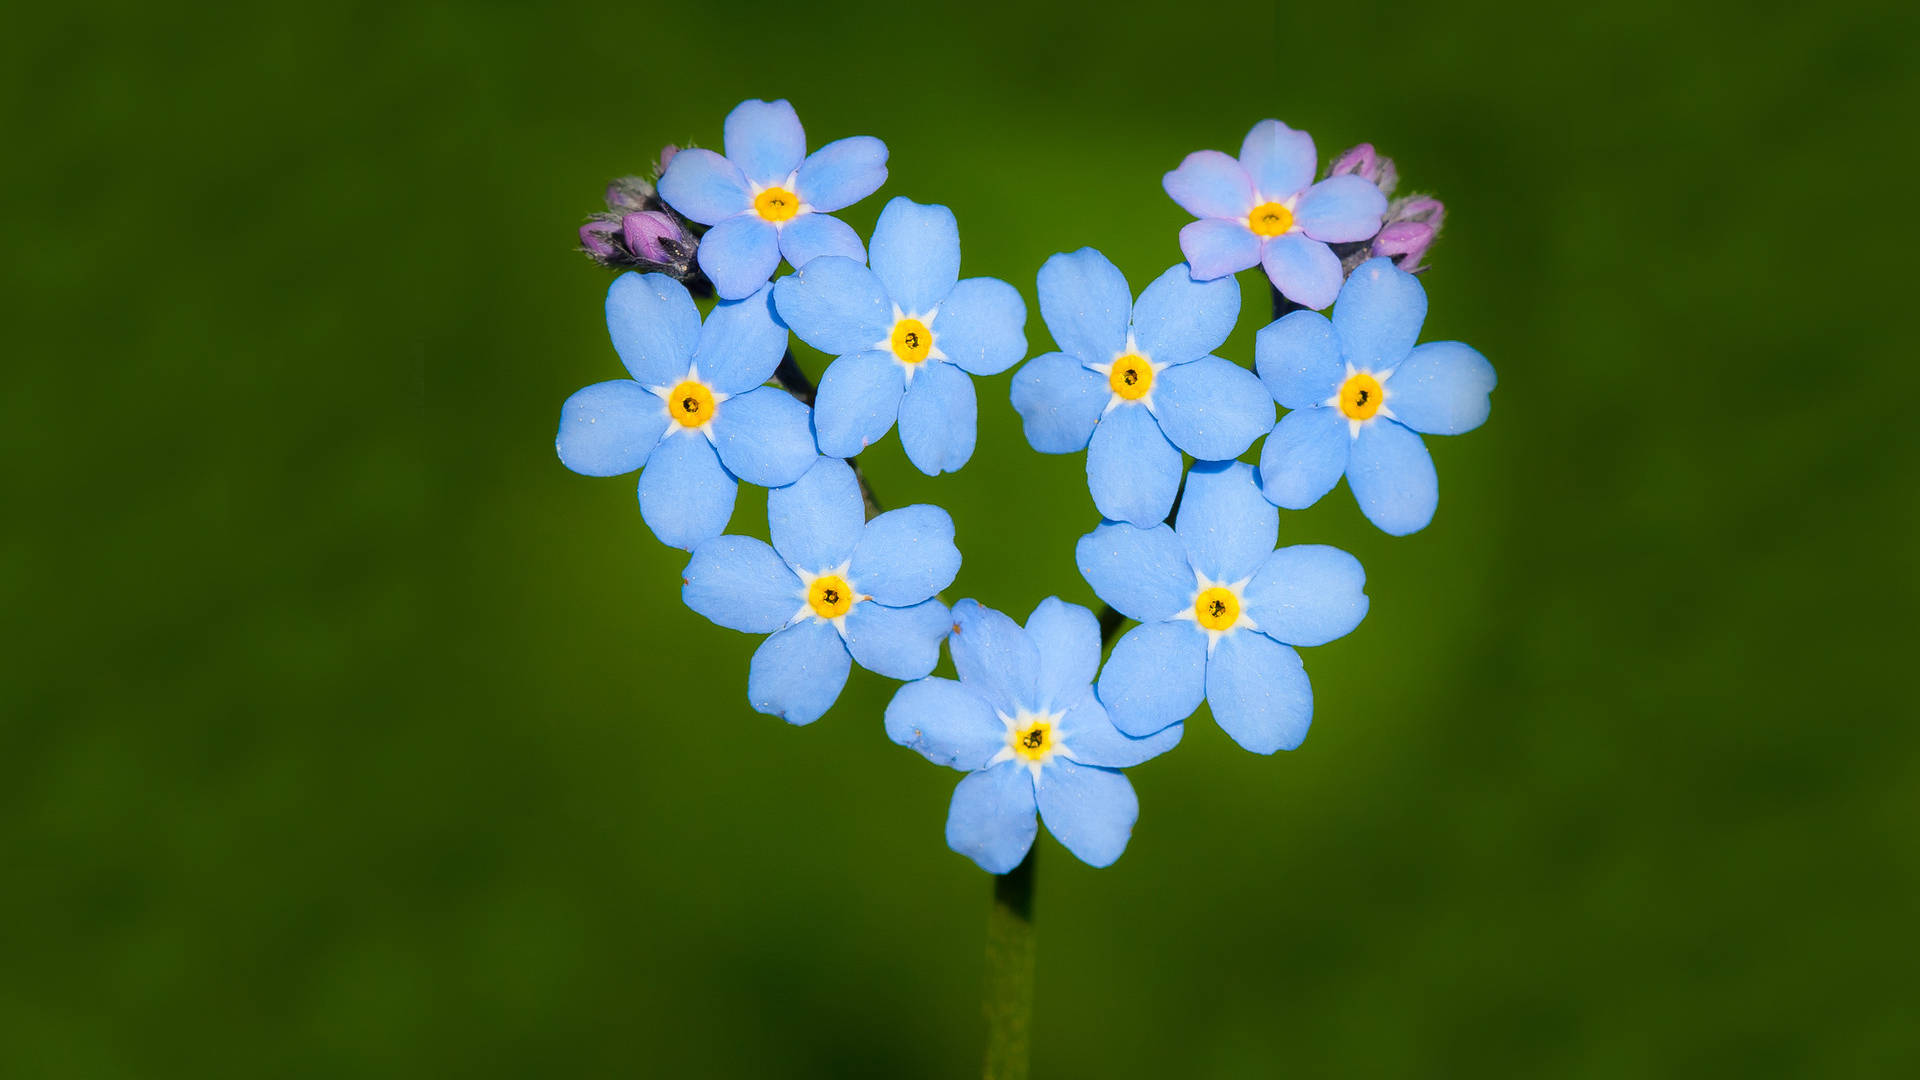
(1011, 947)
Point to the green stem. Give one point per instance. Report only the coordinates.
(1010, 959)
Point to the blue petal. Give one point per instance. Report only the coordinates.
(905, 555)
(765, 139)
(811, 236)
(1305, 270)
(1156, 676)
(609, 428)
(982, 326)
(1298, 358)
(816, 520)
(1178, 319)
(741, 343)
(1304, 456)
(764, 436)
(916, 253)
(994, 657)
(739, 255)
(1212, 409)
(1391, 475)
(1280, 159)
(740, 583)
(1442, 388)
(1308, 594)
(1059, 401)
(898, 642)
(939, 418)
(1210, 184)
(1091, 811)
(1259, 692)
(835, 305)
(1379, 315)
(654, 326)
(1085, 303)
(842, 173)
(1132, 470)
(1228, 527)
(991, 820)
(686, 496)
(1341, 210)
(1143, 573)
(946, 723)
(798, 673)
(859, 399)
(1067, 637)
(1216, 247)
(705, 187)
(1090, 736)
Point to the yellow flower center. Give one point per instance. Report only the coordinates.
(691, 403)
(1360, 396)
(911, 340)
(1131, 377)
(776, 204)
(1034, 741)
(1270, 219)
(1217, 608)
(829, 596)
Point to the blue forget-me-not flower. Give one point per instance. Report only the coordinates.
(906, 333)
(1219, 611)
(768, 197)
(695, 414)
(1134, 384)
(1264, 209)
(830, 587)
(1024, 723)
(1360, 389)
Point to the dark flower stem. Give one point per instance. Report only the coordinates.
(1011, 947)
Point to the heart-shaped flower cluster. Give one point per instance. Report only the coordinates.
(1187, 547)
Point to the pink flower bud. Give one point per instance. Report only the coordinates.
(1360, 160)
(1405, 242)
(597, 238)
(649, 232)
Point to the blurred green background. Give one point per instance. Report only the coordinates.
(347, 734)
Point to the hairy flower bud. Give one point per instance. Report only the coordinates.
(631, 193)
(666, 155)
(596, 238)
(1367, 163)
(654, 236)
(1412, 226)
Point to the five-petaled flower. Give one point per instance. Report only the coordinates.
(1219, 611)
(830, 585)
(906, 333)
(1024, 723)
(1360, 389)
(1264, 209)
(768, 197)
(695, 413)
(1135, 385)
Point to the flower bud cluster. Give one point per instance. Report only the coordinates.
(639, 231)
(1412, 223)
